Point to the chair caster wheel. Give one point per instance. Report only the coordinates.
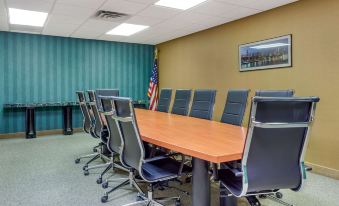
(253, 201)
(104, 185)
(99, 180)
(84, 167)
(177, 203)
(262, 196)
(77, 161)
(86, 172)
(104, 198)
(278, 195)
(95, 150)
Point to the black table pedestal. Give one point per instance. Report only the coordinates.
(30, 123)
(200, 183)
(67, 117)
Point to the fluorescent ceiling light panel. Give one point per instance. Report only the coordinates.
(26, 17)
(266, 46)
(179, 4)
(126, 29)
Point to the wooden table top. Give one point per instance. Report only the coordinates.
(208, 140)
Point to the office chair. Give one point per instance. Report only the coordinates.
(181, 101)
(164, 100)
(105, 93)
(153, 170)
(87, 127)
(233, 114)
(100, 131)
(273, 156)
(203, 104)
(235, 107)
(114, 143)
(274, 93)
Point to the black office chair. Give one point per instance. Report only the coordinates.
(153, 170)
(114, 143)
(105, 93)
(203, 104)
(273, 156)
(274, 93)
(164, 100)
(181, 101)
(233, 114)
(88, 125)
(100, 132)
(235, 107)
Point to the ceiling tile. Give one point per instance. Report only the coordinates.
(59, 29)
(143, 20)
(259, 4)
(73, 11)
(240, 12)
(123, 6)
(159, 12)
(92, 4)
(94, 28)
(198, 18)
(34, 5)
(215, 9)
(61, 19)
(110, 38)
(147, 2)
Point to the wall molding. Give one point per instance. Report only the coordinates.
(39, 133)
(322, 170)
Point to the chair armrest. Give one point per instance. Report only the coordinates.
(308, 168)
(237, 172)
(154, 159)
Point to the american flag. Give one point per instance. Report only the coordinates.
(153, 87)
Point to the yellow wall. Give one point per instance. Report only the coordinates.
(209, 59)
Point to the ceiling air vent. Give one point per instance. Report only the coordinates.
(111, 16)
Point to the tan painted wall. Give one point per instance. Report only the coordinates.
(209, 59)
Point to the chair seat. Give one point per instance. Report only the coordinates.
(162, 169)
(230, 181)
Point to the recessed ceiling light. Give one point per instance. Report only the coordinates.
(26, 17)
(179, 4)
(126, 29)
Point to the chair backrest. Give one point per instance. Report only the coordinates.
(274, 93)
(97, 119)
(276, 143)
(235, 107)
(84, 111)
(133, 152)
(105, 92)
(181, 101)
(203, 104)
(108, 110)
(164, 100)
(95, 105)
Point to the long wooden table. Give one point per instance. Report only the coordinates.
(206, 141)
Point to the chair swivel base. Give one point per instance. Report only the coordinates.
(142, 199)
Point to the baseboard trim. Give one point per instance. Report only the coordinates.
(39, 133)
(326, 171)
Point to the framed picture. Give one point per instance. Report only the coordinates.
(266, 54)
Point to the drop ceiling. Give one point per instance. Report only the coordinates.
(75, 18)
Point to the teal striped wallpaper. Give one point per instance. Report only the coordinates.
(37, 68)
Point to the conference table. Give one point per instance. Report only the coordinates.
(204, 140)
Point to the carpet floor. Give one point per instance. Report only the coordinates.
(41, 171)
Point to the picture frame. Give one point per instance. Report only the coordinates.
(266, 54)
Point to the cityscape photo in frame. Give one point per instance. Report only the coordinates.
(266, 54)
